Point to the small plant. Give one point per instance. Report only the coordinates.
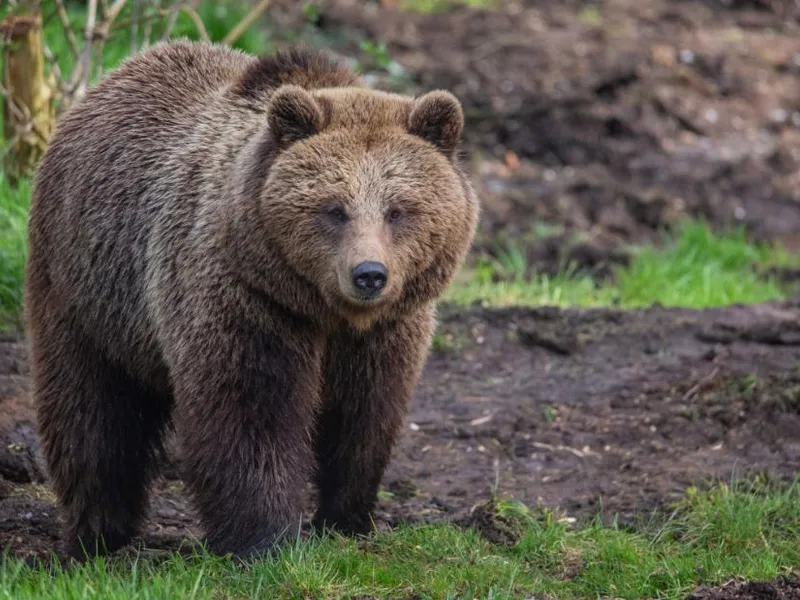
(377, 52)
(312, 13)
(590, 16)
(378, 59)
(438, 6)
(511, 262)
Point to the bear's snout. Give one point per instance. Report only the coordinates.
(369, 278)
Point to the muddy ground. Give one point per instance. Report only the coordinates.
(784, 588)
(591, 412)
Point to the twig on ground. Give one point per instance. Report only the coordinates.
(579, 453)
(702, 385)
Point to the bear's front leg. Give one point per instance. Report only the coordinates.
(369, 379)
(245, 401)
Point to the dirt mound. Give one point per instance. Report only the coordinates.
(784, 588)
(615, 118)
(585, 410)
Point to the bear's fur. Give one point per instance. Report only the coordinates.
(195, 225)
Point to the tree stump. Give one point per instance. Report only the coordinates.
(28, 107)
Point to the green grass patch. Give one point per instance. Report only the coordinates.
(749, 531)
(437, 6)
(694, 268)
(14, 205)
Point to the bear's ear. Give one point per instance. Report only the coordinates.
(438, 118)
(293, 115)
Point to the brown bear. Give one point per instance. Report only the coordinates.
(249, 250)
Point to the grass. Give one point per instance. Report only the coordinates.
(694, 268)
(746, 530)
(436, 6)
(13, 249)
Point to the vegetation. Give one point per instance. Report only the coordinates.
(745, 530)
(13, 249)
(430, 6)
(694, 268)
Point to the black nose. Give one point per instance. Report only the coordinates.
(369, 278)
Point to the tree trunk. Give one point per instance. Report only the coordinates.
(28, 111)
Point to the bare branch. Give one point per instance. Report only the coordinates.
(68, 33)
(148, 24)
(113, 13)
(134, 26)
(248, 20)
(12, 144)
(55, 70)
(198, 22)
(83, 68)
(95, 32)
(103, 31)
(172, 18)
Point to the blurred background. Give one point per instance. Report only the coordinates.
(594, 128)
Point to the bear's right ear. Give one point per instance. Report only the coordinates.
(293, 115)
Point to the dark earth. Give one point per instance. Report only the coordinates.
(782, 589)
(602, 124)
(595, 411)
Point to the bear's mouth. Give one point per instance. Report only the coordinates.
(364, 303)
(352, 305)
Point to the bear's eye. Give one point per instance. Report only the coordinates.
(337, 214)
(394, 215)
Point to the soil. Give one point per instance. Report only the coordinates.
(608, 120)
(585, 411)
(782, 589)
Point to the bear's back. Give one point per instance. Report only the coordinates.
(108, 172)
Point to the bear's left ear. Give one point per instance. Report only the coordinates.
(438, 118)
(293, 115)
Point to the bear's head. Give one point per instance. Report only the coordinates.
(365, 198)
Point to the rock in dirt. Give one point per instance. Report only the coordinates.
(563, 343)
(777, 333)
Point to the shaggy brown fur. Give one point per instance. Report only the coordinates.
(194, 234)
